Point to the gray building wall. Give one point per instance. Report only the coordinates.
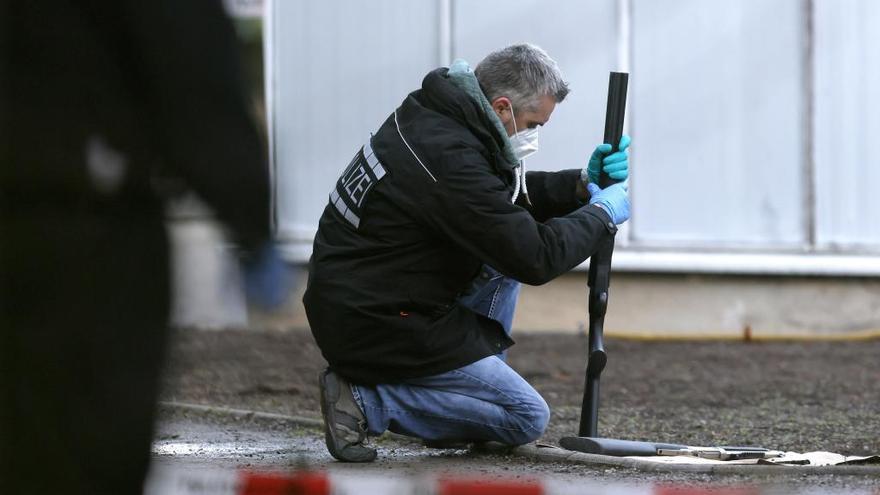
(751, 119)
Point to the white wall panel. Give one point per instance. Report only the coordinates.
(339, 68)
(847, 123)
(717, 97)
(718, 107)
(580, 36)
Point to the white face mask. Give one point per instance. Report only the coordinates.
(524, 142)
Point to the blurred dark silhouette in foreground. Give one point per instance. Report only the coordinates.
(97, 96)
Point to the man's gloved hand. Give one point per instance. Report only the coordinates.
(265, 277)
(614, 199)
(615, 165)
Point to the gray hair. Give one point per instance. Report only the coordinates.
(523, 73)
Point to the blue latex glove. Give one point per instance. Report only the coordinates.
(614, 199)
(616, 165)
(265, 277)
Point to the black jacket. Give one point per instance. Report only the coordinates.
(406, 231)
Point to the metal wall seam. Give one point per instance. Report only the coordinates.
(269, 92)
(809, 125)
(624, 63)
(444, 33)
(624, 35)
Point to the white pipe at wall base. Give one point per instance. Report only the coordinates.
(830, 265)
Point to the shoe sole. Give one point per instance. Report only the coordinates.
(329, 398)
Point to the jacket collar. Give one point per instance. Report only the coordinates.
(444, 94)
(464, 78)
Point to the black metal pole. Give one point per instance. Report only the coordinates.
(600, 268)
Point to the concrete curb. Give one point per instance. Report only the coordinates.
(549, 453)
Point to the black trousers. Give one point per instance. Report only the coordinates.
(84, 302)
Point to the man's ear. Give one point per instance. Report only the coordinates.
(502, 107)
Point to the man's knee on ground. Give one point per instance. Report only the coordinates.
(533, 419)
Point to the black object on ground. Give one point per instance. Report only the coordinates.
(600, 265)
(599, 278)
(615, 447)
(598, 281)
(622, 448)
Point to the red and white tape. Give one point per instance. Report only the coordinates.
(170, 481)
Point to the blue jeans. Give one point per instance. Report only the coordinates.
(485, 400)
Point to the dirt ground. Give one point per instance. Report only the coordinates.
(800, 396)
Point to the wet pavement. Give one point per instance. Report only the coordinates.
(215, 446)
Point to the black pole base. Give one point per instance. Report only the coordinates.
(614, 447)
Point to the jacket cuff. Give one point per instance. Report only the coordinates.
(603, 216)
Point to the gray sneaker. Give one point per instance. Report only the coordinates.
(345, 426)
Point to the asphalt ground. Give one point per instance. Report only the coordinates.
(215, 441)
(801, 396)
(797, 396)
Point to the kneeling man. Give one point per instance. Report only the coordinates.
(419, 255)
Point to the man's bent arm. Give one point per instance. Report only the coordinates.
(472, 208)
(553, 194)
